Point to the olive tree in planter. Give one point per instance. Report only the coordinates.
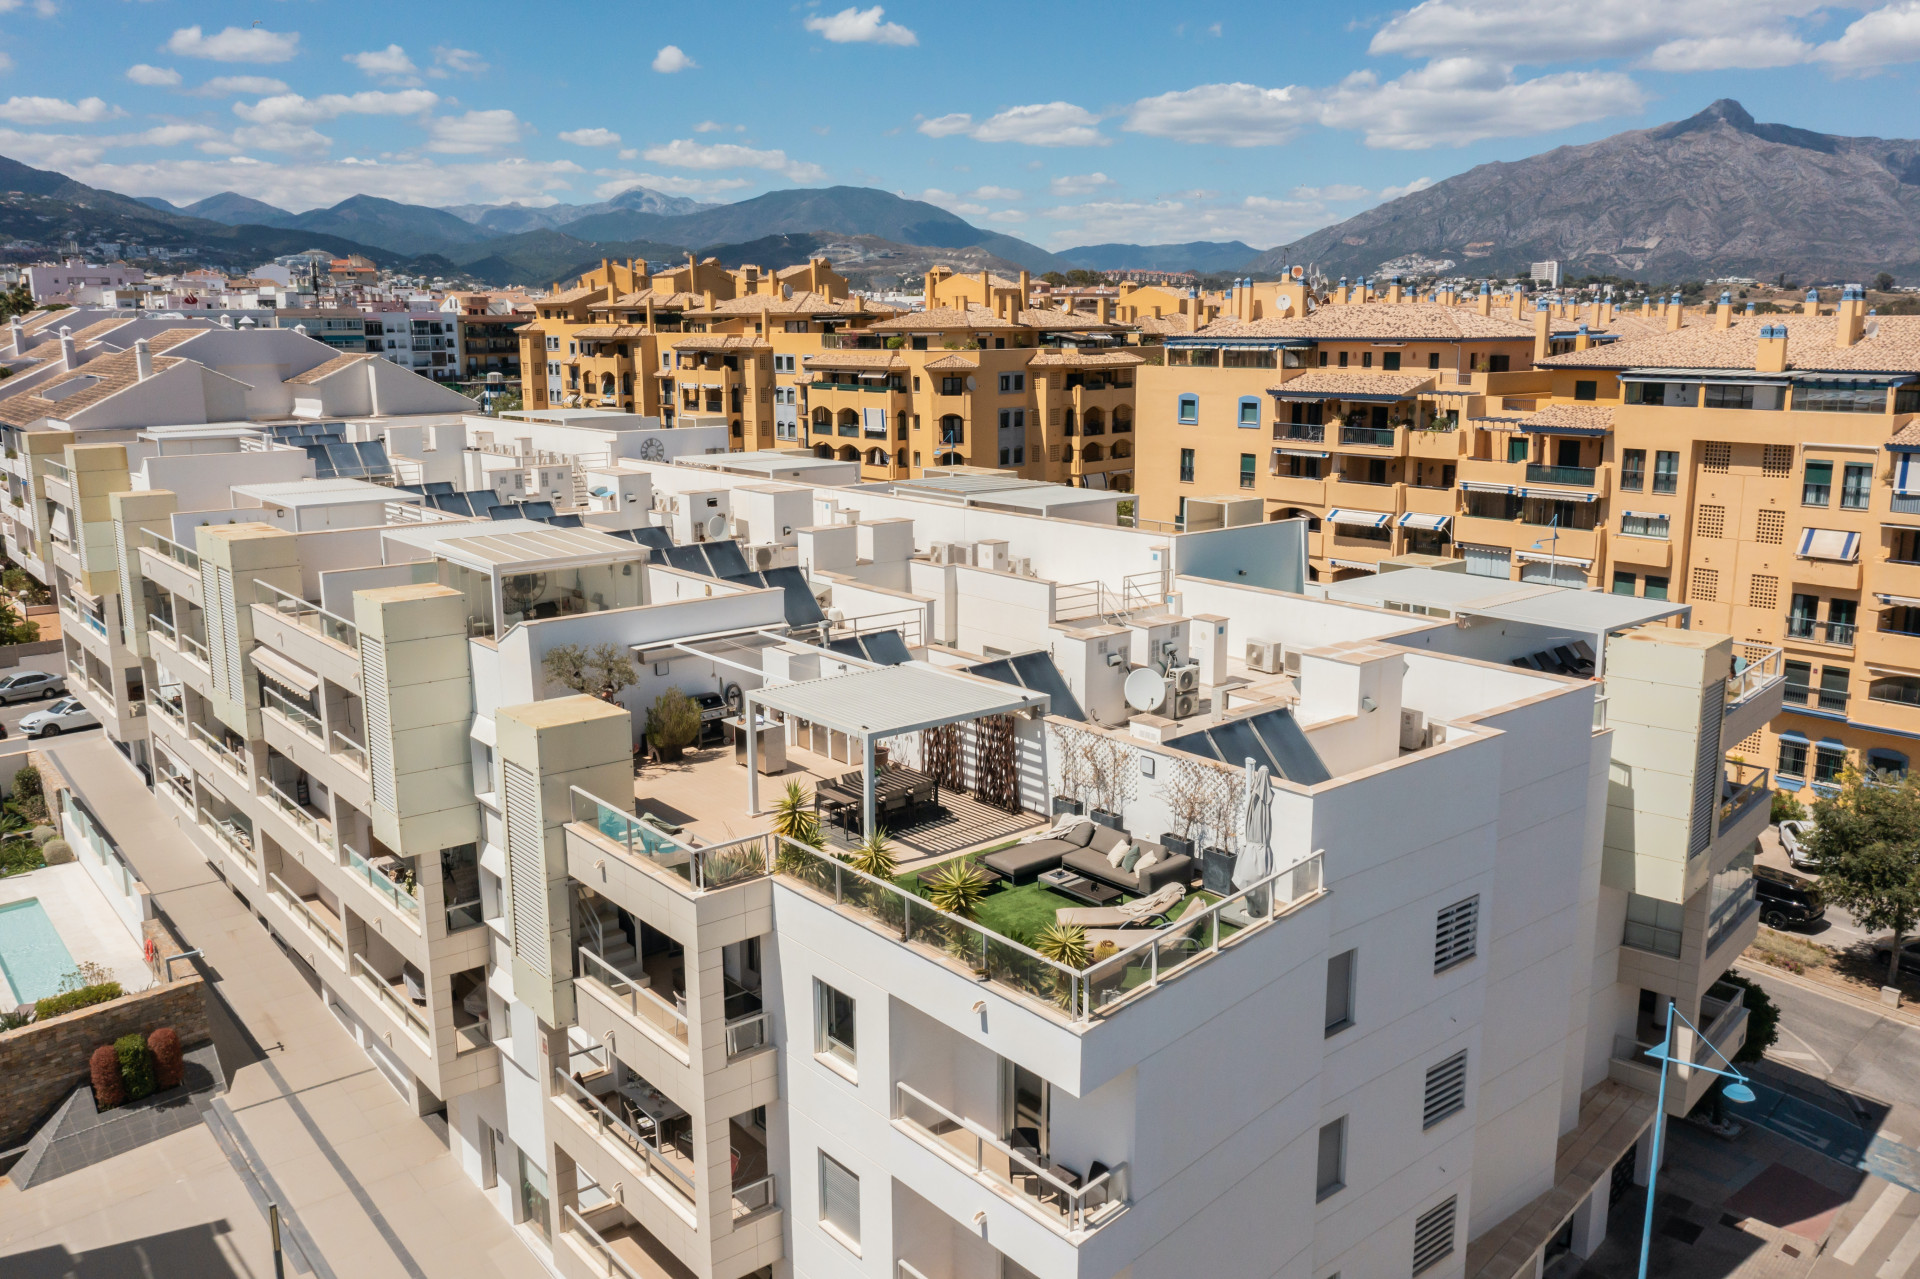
(1073, 774)
(601, 671)
(1186, 791)
(673, 724)
(1110, 768)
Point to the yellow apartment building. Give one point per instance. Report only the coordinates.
(1759, 469)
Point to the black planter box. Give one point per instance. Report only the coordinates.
(1216, 871)
(1175, 844)
(1101, 817)
(1062, 804)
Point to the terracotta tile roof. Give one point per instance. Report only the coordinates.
(1581, 417)
(1908, 434)
(722, 342)
(1059, 319)
(946, 362)
(1085, 359)
(326, 369)
(1338, 382)
(943, 317)
(44, 351)
(662, 299)
(1380, 321)
(104, 376)
(800, 304)
(167, 339)
(568, 296)
(855, 360)
(1892, 347)
(1161, 324)
(607, 331)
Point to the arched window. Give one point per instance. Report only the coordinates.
(823, 419)
(1123, 483)
(1122, 420)
(849, 454)
(953, 429)
(1066, 454)
(849, 422)
(606, 384)
(1121, 448)
(900, 458)
(949, 459)
(876, 457)
(1092, 453)
(1095, 423)
(1885, 763)
(823, 450)
(1066, 423)
(900, 425)
(736, 428)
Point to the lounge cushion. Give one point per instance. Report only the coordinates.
(1174, 869)
(1105, 839)
(1024, 861)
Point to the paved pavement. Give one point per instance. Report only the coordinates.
(10, 716)
(362, 1177)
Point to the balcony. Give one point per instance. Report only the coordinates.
(1754, 690)
(391, 994)
(1811, 630)
(316, 827)
(1724, 1011)
(313, 916)
(383, 879)
(1300, 432)
(631, 995)
(619, 1121)
(1067, 1201)
(302, 720)
(235, 835)
(231, 757)
(170, 565)
(1373, 437)
(1744, 787)
(310, 617)
(1566, 476)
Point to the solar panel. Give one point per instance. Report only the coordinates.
(726, 559)
(322, 463)
(688, 559)
(565, 521)
(505, 511)
(1038, 674)
(346, 460)
(801, 608)
(440, 486)
(889, 648)
(1272, 738)
(536, 510)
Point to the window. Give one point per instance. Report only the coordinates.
(1331, 1176)
(840, 1200)
(1881, 762)
(1856, 486)
(1817, 484)
(1012, 382)
(1839, 397)
(1656, 587)
(1249, 410)
(1653, 925)
(1433, 1235)
(1666, 472)
(1841, 615)
(1829, 758)
(1624, 583)
(533, 1195)
(1248, 461)
(1633, 469)
(952, 385)
(1189, 409)
(1586, 390)
(1643, 524)
(1455, 930)
(1722, 396)
(460, 886)
(1006, 456)
(1833, 685)
(1517, 448)
(1446, 1093)
(1323, 359)
(1793, 757)
(1499, 363)
(1433, 359)
(1366, 359)
(1904, 689)
(1340, 975)
(833, 1035)
(1186, 466)
(1799, 674)
(1343, 359)
(1390, 361)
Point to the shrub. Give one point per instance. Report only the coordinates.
(18, 855)
(109, 1089)
(169, 1065)
(1786, 809)
(956, 888)
(673, 722)
(41, 834)
(874, 856)
(136, 1065)
(1763, 1019)
(26, 783)
(73, 1000)
(56, 852)
(1064, 944)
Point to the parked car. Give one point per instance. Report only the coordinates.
(1909, 954)
(63, 716)
(29, 686)
(1787, 900)
(1793, 838)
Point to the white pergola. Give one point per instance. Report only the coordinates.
(885, 702)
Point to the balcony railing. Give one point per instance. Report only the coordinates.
(57, 471)
(234, 761)
(227, 831)
(173, 708)
(744, 1034)
(318, 832)
(155, 622)
(166, 546)
(302, 719)
(402, 1010)
(384, 886)
(309, 616)
(1812, 629)
(1310, 433)
(1745, 785)
(714, 866)
(192, 648)
(309, 918)
(1371, 436)
(1016, 1175)
(1756, 668)
(573, 1224)
(754, 1196)
(641, 1003)
(1572, 476)
(351, 751)
(612, 1127)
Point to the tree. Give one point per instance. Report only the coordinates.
(1866, 841)
(673, 722)
(21, 584)
(601, 671)
(15, 629)
(1763, 1019)
(1883, 281)
(17, 300)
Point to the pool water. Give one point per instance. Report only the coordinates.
(32, 957)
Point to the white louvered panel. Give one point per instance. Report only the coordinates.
(1707, 769)
(1446, 1090)
(526, 867)
(1433, 1234)
(1455, 934)
(217, 604)
(373, 668)
(840, 1197)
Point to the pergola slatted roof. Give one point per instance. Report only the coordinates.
(893, 700)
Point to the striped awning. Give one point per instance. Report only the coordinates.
(1302, 453)
(1898, 601)
(282, 671)
(1558, 495)
(1481, 486)
(1366, 519)
(1431, 523)
(1362, 566)
(1906, 476)
(1548, 557)
(1828, 544)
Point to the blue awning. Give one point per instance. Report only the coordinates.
(1558, 495)
(1543, 429)
(1906, 477)
(1431, 523)
(1828, 544)
(1794, 735)
(1367, 519)
(1481, 486)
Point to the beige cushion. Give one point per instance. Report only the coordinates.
(1150, 857)
(1105, 839)
(1119, 853)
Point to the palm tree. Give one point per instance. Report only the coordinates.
(956, 888)
(794, 818)
(874, 856)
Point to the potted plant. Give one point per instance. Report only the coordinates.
(874, 856)
(957, 888)
(673, 724)
(1108, 767)
(1188, 802)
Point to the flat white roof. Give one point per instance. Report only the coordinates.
(892, 700)
(1531, 603)
(312, 493)
(606, 419)
(765, 461)
(1432, 588)
(489, 547)
(1592, 612)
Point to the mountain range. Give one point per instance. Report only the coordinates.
(1714, 194)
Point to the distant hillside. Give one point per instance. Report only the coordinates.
(401, 228)
(235, 209)
(509, 219)
(1202, 256)
(1714, 194)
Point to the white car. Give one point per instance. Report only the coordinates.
(64, 715)
(1793, 838)
(28, 686)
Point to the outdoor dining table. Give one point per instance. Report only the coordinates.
(655, 1105)
(844, 793)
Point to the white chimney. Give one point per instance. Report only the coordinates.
(226, 321)
(143, 359)
(301, 329)
(69, 350)
(19, 337)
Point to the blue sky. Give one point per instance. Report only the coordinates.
(1062, 124)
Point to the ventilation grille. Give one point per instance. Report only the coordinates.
(1708, 771)
(1711, 521)
(1717, 458)
(1770, 528)
(373, 679)
(1455, 934)
(1763, 591)
(1446, 1089)
(1776, 461)
(1706, 585)
(1433, 1235)
(1750, 747)
(217, 602)
(526, 868)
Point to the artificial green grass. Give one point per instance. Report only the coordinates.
(1020, 911)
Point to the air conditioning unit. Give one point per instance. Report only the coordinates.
(1184, 705)
(770, 555)
(951, 553)
(1266, 656)
(1413, 730)
(1186, 679)
(1023, 566)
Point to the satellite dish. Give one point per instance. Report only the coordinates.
(1298, 273)
(969, 383)
(716, 527)
(1146, 690)
(1872, 330)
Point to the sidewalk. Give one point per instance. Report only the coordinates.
(369, 1182)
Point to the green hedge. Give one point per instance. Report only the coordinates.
(74, 1000)
(136, 1064)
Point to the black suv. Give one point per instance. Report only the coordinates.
(1787, 900)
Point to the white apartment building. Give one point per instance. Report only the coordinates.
(48, 282)
(668, 1042)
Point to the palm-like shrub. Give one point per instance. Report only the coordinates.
(874, 856)
(794, 818)
(956, 888)
(1064, 944)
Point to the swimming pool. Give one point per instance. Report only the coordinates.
(32, 957)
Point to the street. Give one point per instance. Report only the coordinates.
(1839, 929)
(11, 715)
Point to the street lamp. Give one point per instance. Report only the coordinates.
(1736, 1092)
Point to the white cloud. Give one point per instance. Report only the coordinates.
(228, 86)
(995, 193)
(57, 111)
(448, 60)
(1878, 39)
(141, 73)
(6, 63)
(1338, 191)
(1455, 101)
(1008, 215)
(1040, 124)
(861, 26)
(1068, 185)
(629, 153)
(714, 126)
(1536, 31)
(391, 64)
(671, 59)
(45, 8)
(473, 132)
(235, 44)
(1394, 193)
(1234, 115)
(619, 180)
(684, 153)
(285, 136)
(1256, 220)
(595, 137)
(292, 108)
